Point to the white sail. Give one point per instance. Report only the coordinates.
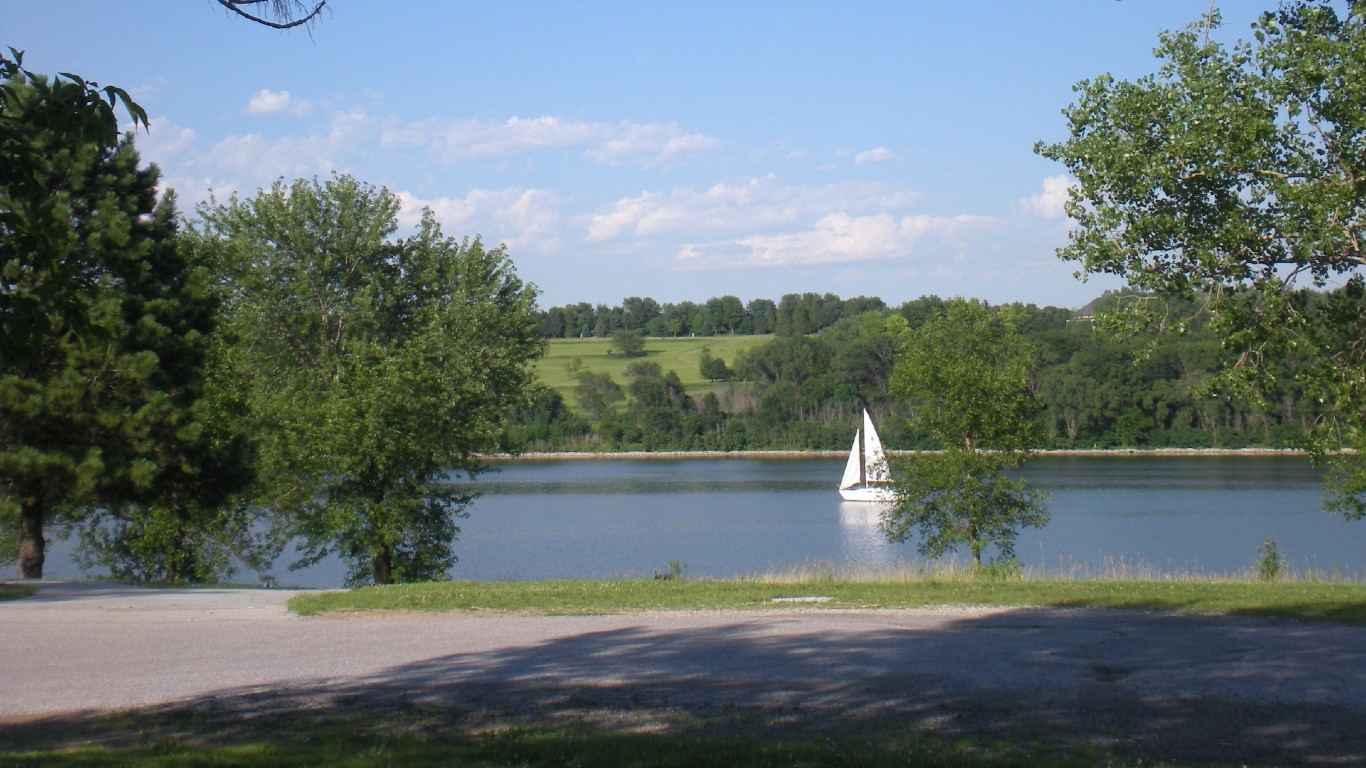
(852, 469)
(866, 477)
(874, 458)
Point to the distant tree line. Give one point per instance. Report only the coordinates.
(804, 313)
(828, 357)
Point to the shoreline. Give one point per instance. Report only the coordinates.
(804, 454)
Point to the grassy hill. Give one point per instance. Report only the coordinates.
(678, 355)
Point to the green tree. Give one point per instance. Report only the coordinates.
(38, 283)
(99, 408)
(370, 367)
(630, 343)
(596, 392)
(713, 368)
(1237, 176)
(188, 524)
(966, 377)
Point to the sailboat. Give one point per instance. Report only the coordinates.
(865, 474)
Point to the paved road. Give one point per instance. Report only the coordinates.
(1235, 689)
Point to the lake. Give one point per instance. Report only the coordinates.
(1127, 514)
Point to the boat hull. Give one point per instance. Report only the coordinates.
(880, 493)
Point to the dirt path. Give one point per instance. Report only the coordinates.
(1235, 690)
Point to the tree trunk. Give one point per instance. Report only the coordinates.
(31, 544)
(975, 543)
(383, 566)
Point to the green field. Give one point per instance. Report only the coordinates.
(678, 355)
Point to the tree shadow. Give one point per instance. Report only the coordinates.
(1195, 689)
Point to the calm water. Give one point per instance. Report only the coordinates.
(723, 517)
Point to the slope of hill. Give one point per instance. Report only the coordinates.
(677, 354)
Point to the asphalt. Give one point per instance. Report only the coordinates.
(1234, 689)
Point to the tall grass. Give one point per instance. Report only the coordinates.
(1110, 569)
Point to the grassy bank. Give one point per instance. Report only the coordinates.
(1294, 600)
(599, 355)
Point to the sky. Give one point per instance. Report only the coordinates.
(676, 150)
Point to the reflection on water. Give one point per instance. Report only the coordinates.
(726, 517)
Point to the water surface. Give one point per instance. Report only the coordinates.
(722, 517)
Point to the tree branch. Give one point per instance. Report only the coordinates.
(281, 9)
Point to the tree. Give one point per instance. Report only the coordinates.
(1237, 176)
(966, 377)
(630, 343)
(637, 312)
(37, 284)
(370, 367)
(713, 368)
(596, 392)
(105, 324)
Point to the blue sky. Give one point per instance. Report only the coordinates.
(673, 150)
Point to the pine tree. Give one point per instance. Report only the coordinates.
(97, 409)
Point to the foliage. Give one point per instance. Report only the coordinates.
(368, 367)
(105, 324)
(37, 284)
(629, 343)
(1270, 562)
(718, 316)
(1234, 177)
(596, 392)
(713, 368)
(1097, 390)
(966, 378)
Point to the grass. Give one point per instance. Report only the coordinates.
(1314, 601)
(440, 739)
(15, 591)
(679, 355)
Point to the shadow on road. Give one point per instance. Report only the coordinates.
(1158, 687)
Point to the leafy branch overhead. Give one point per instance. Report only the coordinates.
(1237, 176)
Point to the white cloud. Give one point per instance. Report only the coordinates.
(1048, 204)
(833, 239)
(879, 156)
(522, 219)
(164, 139)
(649, 145)
(645, 144)
(268, 102)
(737, 207)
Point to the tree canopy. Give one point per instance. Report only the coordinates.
(1236, 176)
(105, 322)
(966, 377)
(369, 366)
(35, 279)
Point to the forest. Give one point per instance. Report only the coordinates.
(824, 357)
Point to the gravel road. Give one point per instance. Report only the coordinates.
(1227, 689)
